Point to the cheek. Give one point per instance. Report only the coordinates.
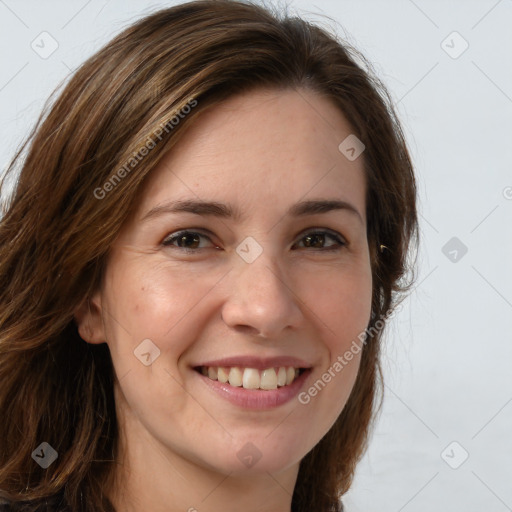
(157, 301)
(153, 314)
(341, 300)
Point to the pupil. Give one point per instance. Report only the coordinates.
(317, 238)
(185, 237)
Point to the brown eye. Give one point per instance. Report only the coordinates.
(187, 240)
(317, 240)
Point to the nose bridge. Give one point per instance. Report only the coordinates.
(264, 274)
(258, 260)
(262, 280)
(259, 295)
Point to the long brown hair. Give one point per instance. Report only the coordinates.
(71, 198)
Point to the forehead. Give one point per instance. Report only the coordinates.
(263, 147)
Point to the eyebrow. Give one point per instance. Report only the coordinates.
(216, 209)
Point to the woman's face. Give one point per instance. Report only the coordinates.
(234, 269)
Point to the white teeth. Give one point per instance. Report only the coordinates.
(251, 378)
(222, 374)
(281, 376)
(235, 377)
(268, 379)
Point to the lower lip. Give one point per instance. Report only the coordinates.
(256, 398)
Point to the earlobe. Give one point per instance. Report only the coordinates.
(89, 320)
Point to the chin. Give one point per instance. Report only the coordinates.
(257, 454)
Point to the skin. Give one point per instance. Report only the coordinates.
(261, 152)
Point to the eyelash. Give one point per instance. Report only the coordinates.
(341, 243)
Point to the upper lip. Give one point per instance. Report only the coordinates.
(258, 363)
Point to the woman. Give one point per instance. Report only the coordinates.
(209, 230)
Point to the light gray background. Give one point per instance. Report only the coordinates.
(449, 352)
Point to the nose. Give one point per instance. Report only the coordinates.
(260, 300)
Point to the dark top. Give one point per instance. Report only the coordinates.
(24, 507)
(53, 504)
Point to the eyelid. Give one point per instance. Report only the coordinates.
(328, 231)
(337, 237)
(199, 231)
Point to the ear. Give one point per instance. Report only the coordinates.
(88, 318)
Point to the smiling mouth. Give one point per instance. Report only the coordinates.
(251, 378)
